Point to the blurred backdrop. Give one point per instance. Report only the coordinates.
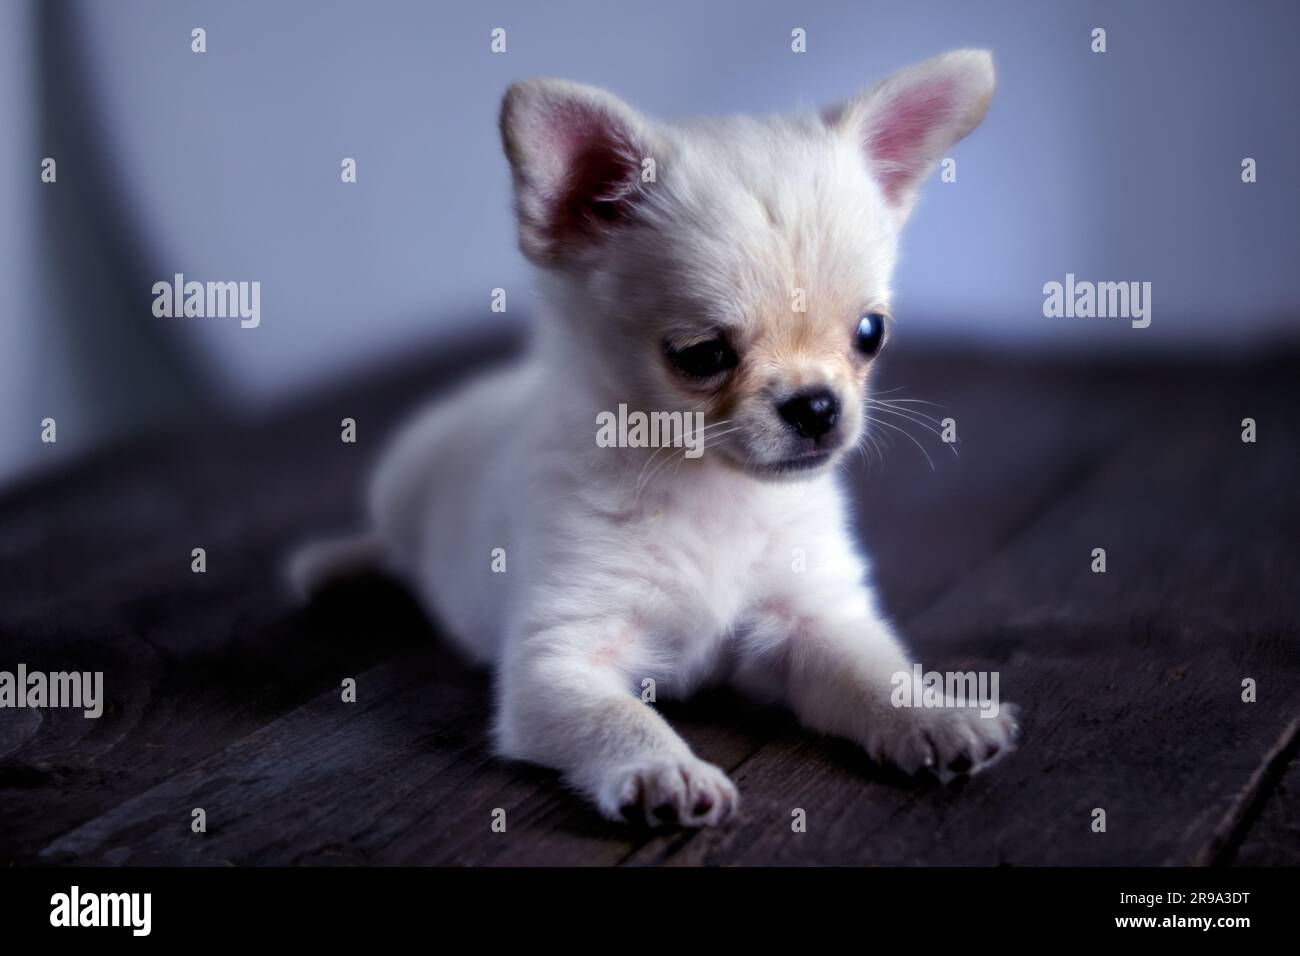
(225, 165)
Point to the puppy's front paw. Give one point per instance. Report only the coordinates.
(668, 790)
(948, 741)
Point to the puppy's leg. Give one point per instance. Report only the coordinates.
(567, 706)
(837, 671)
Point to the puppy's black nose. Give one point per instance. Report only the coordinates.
(813, 413)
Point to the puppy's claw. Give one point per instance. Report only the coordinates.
(668, 791)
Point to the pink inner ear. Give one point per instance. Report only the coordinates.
(571, 128)
(897, 140)
(597, 167)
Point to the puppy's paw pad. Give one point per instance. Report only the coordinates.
(668, 791)
(948, 741)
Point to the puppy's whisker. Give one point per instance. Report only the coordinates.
(712, 425)
(713, 439)
(688, 436)
(862, 453)
(922, 416)
(886, 410)
(880, 421)
(899, 406)
(898, 388)
(648, 462)
(916, 401)
(869, 439)
(641, 486)
(675, 460)
(927, 427)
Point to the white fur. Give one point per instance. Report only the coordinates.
(632, 564)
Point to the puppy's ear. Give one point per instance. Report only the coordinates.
(576, 153)
(906, 123)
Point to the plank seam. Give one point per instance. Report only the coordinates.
(1232, 829)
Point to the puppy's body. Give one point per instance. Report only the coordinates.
(626, 568)
(611, 579)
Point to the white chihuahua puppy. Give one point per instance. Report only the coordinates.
(735, 267)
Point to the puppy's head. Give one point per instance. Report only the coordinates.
(736, 267)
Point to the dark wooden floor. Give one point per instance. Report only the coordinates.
(224, 695)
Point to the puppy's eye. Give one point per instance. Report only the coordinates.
(870, 335)
(702, 359)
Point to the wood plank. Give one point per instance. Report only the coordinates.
(95, 574)
(162, 716)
